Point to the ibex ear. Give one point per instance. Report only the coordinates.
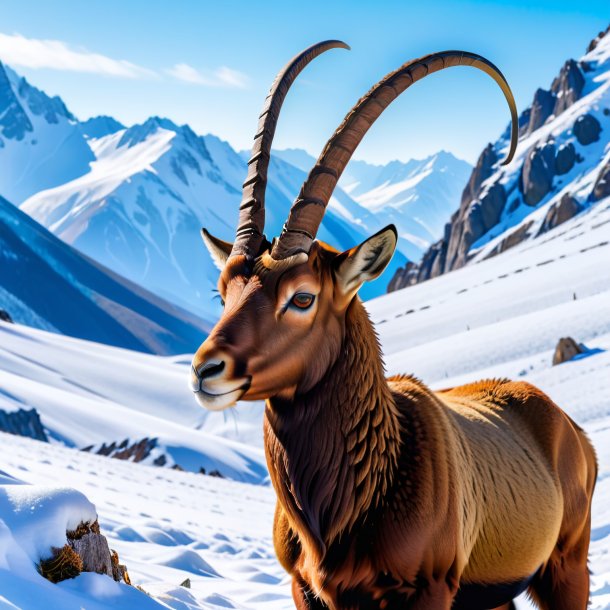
(219, 250)
(366, 261)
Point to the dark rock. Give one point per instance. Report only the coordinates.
(23, 423)
(216, 473)
(566, 350)
(537, 173)
(511, 240)
(403, 276)
(542, 108)
(593, 44)
(567, 87)
(5, 316)
(186, 583)
(587, 129)
(601, 188)
(565, 159)
(481, 171)
(559, 212)
(134, 452)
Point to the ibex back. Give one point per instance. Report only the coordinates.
(390, 495)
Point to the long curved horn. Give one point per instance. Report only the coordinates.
(249, 235)
(308, 210)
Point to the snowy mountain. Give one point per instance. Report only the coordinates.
(47, 284)
(41, 143)
(499, 318)
(152, 187)
(100, 126)
(561, 168)
(418, 196)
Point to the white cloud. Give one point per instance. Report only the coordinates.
(221, 77)
(232, 78)
(18, 50)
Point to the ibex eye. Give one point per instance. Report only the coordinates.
(302, 300)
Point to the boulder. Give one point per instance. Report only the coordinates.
(601, 188)
(537, 173)
(567, 86)
(565, 159)
(566, 350)
(542, 108)
(587, 129)
(512, 239)
(559, 212)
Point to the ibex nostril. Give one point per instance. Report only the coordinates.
(210, 368)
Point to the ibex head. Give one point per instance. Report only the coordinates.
(285, 302)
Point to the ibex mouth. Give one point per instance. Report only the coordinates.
(222, 398)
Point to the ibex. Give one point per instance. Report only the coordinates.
(389, 495)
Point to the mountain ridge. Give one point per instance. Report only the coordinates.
(558, 171)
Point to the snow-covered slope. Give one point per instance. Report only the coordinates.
(88, 394)
(418, 196)
(47, 284)
(41, 144)
(561, 167)
(150, 190)
(499, 317)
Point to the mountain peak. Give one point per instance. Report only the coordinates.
(100, 126)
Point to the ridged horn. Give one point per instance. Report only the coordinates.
(308, 210)
(249, 234)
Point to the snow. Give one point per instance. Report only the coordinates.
(147, 397)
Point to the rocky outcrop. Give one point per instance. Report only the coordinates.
(565, 90)
(5, 316)
(565, 159)
(485, 202)
(512, 239)
(593, 44)
(542, 108)
(587, 129)
(537, 173)
(601, 188)
(403, 277)
(23, 423)
(559, 212)
(567, 87)
(86, 550)
(134, 452)
(566, 350)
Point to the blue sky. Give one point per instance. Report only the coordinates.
(210, 64)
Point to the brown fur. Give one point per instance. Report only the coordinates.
(390, 495)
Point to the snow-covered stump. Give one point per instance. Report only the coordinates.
(86, 550)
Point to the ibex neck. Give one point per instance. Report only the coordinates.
(332, 452)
